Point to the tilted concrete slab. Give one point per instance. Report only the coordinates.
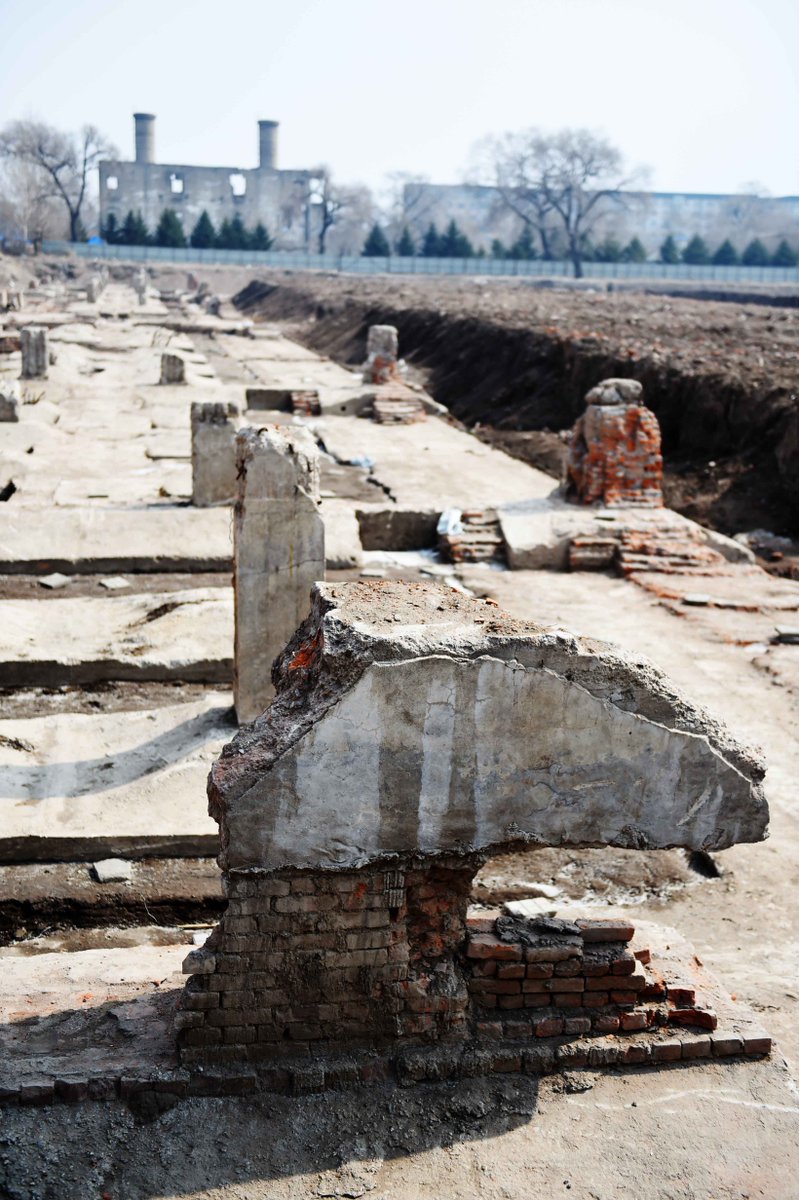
(410, 719)
(79, 787)
(159, 538)
(184, 635)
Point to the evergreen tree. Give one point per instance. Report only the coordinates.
(609, 251)
(455, 243)
(111, 231)
(260, 239)
(755, 254)
(431, 244)
(223, 236)
(726, 255)
(696, 252)
(669, 252)
(498, 249)
(376, 244)
(134, 232)
(406, 247)
(784, 255)
(203, 235)
(169, 231)
(634, 251)
(524, 247)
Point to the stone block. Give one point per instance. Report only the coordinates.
(173, 369)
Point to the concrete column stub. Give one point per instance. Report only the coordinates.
(279, 553)
(35, 354)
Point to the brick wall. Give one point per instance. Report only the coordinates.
(307, 962)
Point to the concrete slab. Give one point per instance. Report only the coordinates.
(539, 530)
(432, 465)
(162, 538)
(82, 787)
(187, 635)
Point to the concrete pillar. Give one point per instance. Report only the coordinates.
(279, 552)
(267, 145)
(140, 286)
(213, 454)
(173, 369)
(35, 355)
(145, 137)
(382, 350)
(9, 402)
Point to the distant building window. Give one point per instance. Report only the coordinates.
(238, 184)
(176, 184)
(112, 183)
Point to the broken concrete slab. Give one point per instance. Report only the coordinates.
(539, 532)
(79, 787)
(142, 636)
(430, 720)
(90, 541)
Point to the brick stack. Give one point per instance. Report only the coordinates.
(546, 978)
(305, 963)
(305, 403)
(614, 453)
(395, 404)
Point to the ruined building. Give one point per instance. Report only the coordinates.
(278, 198)
(414, 733)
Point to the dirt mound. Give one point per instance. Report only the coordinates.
(722, 378)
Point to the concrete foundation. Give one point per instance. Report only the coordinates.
(279, 551)
(213, 455)
(35, 353)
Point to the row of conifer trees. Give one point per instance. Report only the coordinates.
(453, 243)
(231, 235)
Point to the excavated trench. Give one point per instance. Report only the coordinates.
(727, 441)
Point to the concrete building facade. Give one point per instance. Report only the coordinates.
(278, 198)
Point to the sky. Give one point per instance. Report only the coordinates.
(704, 93)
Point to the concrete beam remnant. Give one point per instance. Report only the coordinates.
(410, 719)
(279, 552)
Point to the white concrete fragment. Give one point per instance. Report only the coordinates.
(113, 870)
(54, 581)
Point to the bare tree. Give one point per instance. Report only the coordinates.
(347, 208)
(557, 184)
(26, 209)
(64, 161)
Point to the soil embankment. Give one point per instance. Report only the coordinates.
(514, 362)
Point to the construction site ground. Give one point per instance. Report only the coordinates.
(116, 700)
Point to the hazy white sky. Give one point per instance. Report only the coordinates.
(704, 92)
